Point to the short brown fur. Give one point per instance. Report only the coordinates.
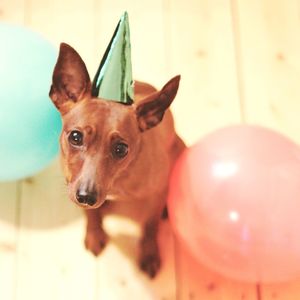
(139, 181)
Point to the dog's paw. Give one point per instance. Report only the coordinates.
(150, 264)
(95, 240)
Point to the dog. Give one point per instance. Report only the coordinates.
(116, 158)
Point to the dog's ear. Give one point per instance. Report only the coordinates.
(150, 111)
(70, 82)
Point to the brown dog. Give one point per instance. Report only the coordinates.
(113, 151)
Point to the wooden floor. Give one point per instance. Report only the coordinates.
(239, 61)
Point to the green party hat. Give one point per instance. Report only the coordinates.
(113, 80)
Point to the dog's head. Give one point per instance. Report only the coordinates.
(100, 138)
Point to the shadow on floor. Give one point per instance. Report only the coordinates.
(38, 202)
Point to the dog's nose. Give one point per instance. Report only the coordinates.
(85, 197)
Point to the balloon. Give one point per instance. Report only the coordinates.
(30, 125)
(234, 202)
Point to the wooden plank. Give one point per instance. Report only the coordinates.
(281, 291)
(52, 260)
(201, 48)
(198, 282)
(119, 276)
(67, 21)
(147, 36)
(8, 238)
(269, 41)
(10, 11)
(270, 46)
(51, 255)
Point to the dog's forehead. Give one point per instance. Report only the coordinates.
(100, 113)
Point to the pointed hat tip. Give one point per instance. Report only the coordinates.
(113, 80)
(125, 15)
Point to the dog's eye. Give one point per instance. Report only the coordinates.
(76, 138)
(119, 150)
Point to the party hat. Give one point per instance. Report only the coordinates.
(113, 80)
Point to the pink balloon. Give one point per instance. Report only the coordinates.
(234, 201)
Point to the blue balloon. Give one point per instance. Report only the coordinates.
(29, 123)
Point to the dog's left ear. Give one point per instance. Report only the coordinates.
(70, 82)
(150, 111)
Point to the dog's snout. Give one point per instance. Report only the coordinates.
(86, 197)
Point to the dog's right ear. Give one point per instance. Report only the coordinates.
(70, 82)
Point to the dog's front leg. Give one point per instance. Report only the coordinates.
(95, 238)
(149, 259)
